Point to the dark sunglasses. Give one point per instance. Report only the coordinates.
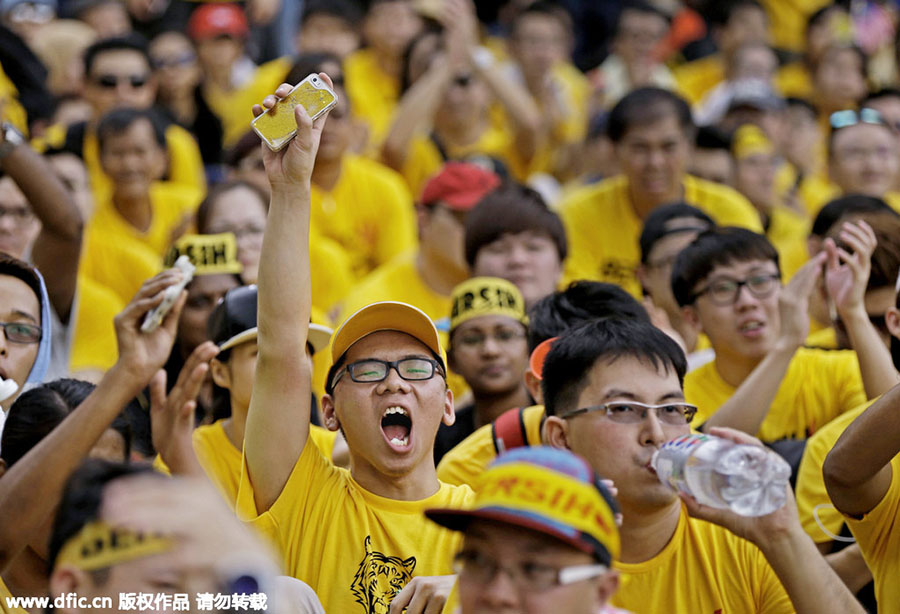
(112, 81)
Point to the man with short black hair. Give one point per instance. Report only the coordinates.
(653, 135)
(118, 73)
(763, 381)
(613, 394)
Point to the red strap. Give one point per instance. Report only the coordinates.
(508, 431)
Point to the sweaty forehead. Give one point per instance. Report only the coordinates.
(387, 345)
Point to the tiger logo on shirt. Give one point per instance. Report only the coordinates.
(379, 579)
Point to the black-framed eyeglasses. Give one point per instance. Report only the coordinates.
(112, 81)
(726, 291)
(632, 412)
(849, 117)
(374, 370)
(528, 577)
(21, 332)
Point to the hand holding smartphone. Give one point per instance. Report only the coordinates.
(277, 126)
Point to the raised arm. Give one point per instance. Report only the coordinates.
(278, 419)
(749, 405)
(811, 584)
(520, 106)
(857, 471)
(416, 110)
(30, 490)
(58, 247)
(846, 276)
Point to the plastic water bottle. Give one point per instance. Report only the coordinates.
(748, 480)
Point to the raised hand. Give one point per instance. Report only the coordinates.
(293, 164)
(144, 353)
(793, 303)
(172, 415)
(847, 272)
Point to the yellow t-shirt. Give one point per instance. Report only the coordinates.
(787, 21)
(221, 460)
(369, 213)
(172, 205)
(811, 489)
(120, 266)
(464, 463)
(233, 108)
(794, 80)
(4, 593)
(878, 536)
(11, 110)
(354, 548)
(603, 228)
(397, 280)
(788, 231)
(94, 343)
(703, 569)
(819, 385)
(424, 159)
(373, 94)
(331, 276)
(694, 79)
(824, 338)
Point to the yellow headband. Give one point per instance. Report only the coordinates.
(211, 254)
(750, 140)
(97, 546)
(486, 296)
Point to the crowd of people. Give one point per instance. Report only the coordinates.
(428, 350)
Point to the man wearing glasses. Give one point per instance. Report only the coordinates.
(536, 555)
(613, 395)
(118, 74)
(762, 381)
(863, 156)
(358, 537)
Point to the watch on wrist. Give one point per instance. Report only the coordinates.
(12, 138)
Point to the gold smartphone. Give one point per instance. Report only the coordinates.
(276, 126)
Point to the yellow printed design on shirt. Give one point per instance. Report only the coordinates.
(379, 578)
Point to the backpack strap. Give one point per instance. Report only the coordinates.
(508, 431)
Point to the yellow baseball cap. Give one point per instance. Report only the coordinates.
(750, 140)
(386, 315)
(547, 490)
(486, 296)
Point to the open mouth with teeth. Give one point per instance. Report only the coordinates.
(751, 326)
(396, 426)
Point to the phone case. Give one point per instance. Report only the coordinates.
(276, 127)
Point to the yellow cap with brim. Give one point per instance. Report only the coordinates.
(383, 316)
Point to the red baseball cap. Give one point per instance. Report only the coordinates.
(210, 20)
(460, 185)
